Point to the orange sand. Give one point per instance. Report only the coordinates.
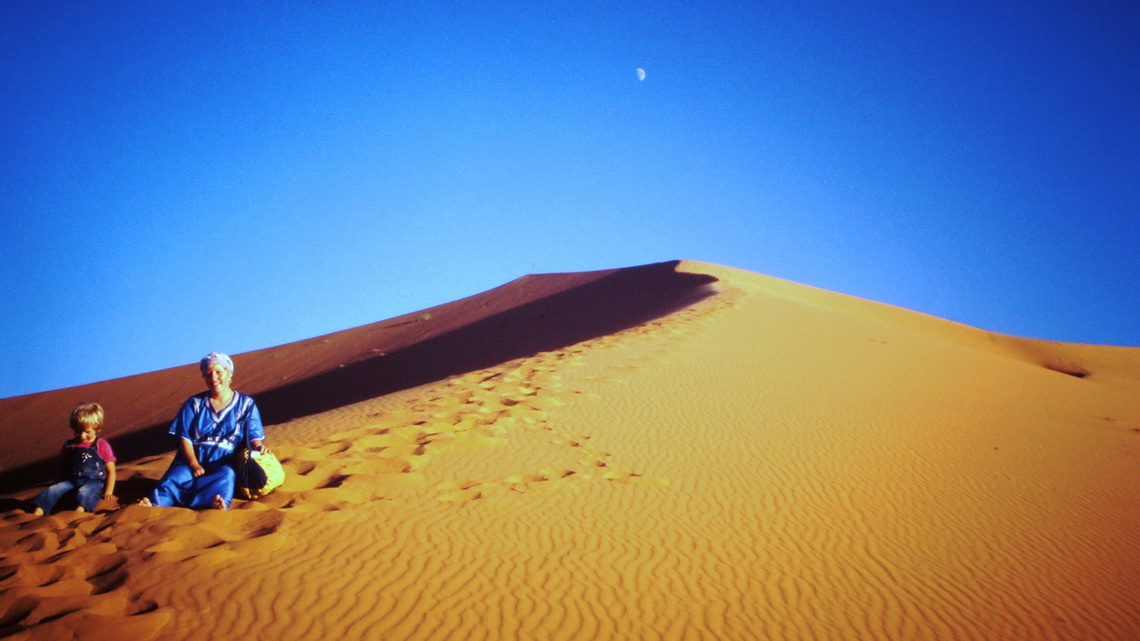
(635, 454)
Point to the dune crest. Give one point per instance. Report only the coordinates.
(735, 457)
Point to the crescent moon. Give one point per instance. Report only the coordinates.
(640, 74)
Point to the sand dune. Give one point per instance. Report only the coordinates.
(531, 314)
(677, 451)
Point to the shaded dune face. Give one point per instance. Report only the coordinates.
(530, 315)
(541, 314)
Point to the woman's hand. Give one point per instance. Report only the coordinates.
(257, 446)
(197, 469)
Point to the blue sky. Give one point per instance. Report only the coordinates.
(180, 178)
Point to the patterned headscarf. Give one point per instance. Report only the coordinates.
(220, 359)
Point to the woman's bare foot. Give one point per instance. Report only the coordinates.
(39, 511)
(219, 502)
(145, 502)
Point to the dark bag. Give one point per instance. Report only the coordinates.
(263, 474)
(250, 476)
(257, 474)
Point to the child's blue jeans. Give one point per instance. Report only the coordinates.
(89, 494)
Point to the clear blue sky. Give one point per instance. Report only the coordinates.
(179, 178)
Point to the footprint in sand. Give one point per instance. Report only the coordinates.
(517, 398)
(377, 461)
(481, 410)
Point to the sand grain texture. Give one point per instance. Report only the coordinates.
(743, 459)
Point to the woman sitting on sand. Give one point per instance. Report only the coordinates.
(210, 427)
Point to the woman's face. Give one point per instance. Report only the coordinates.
(217, 377)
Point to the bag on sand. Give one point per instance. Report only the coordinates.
(257, 474)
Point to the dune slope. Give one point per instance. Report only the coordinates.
(763, 460)
(528, 315)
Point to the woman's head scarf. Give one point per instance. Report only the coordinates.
(220, 359)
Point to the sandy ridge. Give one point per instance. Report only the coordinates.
(751, 466)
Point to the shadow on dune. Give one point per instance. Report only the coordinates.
(613, 303)
(531, 315)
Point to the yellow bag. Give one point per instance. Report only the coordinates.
(257, 474)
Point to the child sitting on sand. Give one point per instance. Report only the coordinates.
(87, 464)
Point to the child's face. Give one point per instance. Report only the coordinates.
(86, 435)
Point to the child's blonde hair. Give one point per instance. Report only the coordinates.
(87, 415)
